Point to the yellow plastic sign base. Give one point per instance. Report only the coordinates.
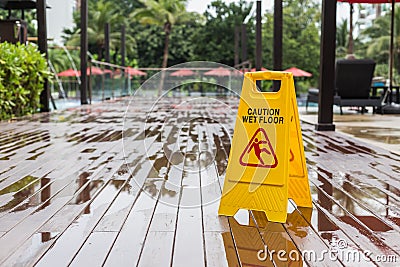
(266, 163)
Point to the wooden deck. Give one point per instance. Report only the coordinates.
(92, 187)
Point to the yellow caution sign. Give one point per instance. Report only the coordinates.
(266, 163)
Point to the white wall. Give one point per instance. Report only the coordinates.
(59, 16)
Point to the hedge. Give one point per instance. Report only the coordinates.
(23, 71)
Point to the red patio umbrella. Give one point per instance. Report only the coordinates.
(298, 72)
(107, 71)
(135, 72)
(262, 69)
(220, 71)
(94, 71)
(391, 28)
(252, 70)
(182, 72)
(69, 73)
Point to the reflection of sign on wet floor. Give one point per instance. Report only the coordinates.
(259, 152)
(263, 243)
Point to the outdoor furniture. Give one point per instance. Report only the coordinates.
(394, 96)
(391, 99)
(352, 85)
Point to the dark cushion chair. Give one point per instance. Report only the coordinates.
(352, 85)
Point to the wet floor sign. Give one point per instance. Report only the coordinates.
(266, 163)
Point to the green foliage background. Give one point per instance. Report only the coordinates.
(22, 73)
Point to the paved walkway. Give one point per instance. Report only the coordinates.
(376, 129)
(90, 187)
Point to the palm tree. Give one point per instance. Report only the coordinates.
(378, 36)
(100, 13)
(350, 48)
(164, 13)
(341, 38)
(61, 61)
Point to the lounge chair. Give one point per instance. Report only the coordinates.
(352, 85)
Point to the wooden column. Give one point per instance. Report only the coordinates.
(278, 27)
(327, 67)
(258, 37)
(123, 53)
(107, 42)
(244, 42)
(84, 50)
(258, 41)
(391, 46)
(236, 47)
(123, 41)
(277, 52)
(42, 44)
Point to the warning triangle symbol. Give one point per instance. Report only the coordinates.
(259, 152)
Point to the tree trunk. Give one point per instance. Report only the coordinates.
(100, 52)
(378, 10)
(398, 60)
(166, 48)
(167, 30)
(350, 48)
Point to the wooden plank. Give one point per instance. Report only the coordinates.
(26, 169)
(17, 192)
(358, 232)
(248, 243)
(127, 247)
(11, 218)
(158, 245)
(116, 215)
(158, 215)
(14, 138)
(69, 241)
(331, 233)
(57, 188)
(188, 245)
(64, 172)
(189, 238)
(78, 192)
(176, 222)
(159, 252)
(59, 223)
(371, 218)
(57, 227)
(279, 246)
(211, 191)
(306, 239)
(165, 215)
(27, 142)
(216, 254)
(219, 244)
(55, 147)
(13, 239)
(95, 250)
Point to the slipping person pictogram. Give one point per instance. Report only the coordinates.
(257, 150)
(259, 145)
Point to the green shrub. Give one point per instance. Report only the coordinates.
(23, 71)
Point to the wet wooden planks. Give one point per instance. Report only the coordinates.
(98, 186)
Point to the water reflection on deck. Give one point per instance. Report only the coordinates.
(94, 186)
